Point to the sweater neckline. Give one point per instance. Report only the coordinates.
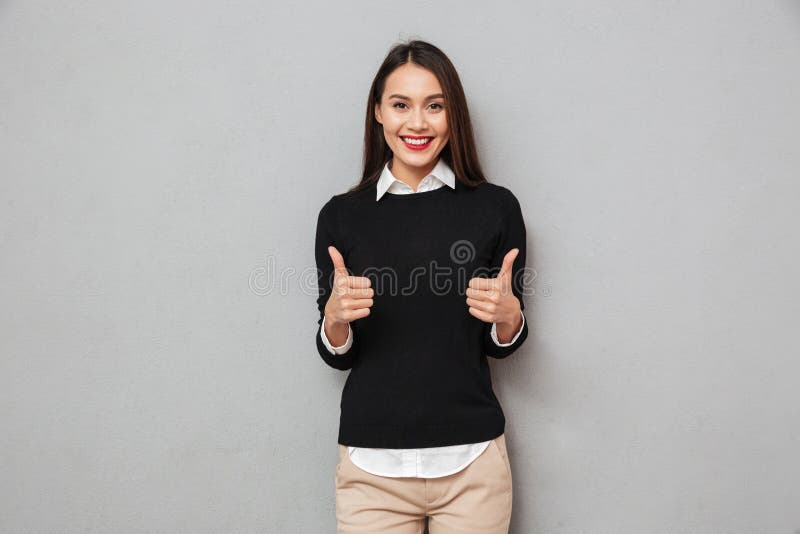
(423, 194)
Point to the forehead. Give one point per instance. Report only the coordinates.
(412, 81)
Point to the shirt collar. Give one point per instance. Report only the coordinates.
(441, 170)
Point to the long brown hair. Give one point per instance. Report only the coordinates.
(459, 153)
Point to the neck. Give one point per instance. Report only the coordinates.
(411, 176)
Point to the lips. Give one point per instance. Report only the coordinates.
(417, 146)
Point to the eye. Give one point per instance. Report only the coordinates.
(439, 106)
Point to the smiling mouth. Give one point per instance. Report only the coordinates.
(416, 142)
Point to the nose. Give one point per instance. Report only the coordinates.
(417, 120)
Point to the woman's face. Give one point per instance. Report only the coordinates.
(412, 105)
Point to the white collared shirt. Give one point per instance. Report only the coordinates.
(428, 462)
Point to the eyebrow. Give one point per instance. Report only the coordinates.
(431, 97)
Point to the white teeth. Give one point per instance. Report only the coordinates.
(417, 141)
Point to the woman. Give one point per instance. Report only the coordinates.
(436, 254)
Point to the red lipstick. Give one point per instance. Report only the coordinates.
(417, 147)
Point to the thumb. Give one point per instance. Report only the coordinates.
(508, 263)
(338, 262)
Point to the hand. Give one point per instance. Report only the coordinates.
(491, 299)
(351, 296)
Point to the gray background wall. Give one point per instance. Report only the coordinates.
(162, 168)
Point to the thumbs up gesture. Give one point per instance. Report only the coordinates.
(350, 299)
(491, 299)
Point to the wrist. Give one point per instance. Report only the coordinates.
(506, 330)
(514, 322)
(336, 332)
(511, 326)
(331, 321)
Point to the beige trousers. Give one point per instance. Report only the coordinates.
(476, 500)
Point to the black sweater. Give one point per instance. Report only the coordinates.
(419, 376)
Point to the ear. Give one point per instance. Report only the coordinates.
(378, 113)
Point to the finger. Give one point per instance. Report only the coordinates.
(344, 284)
(483, 283)
(485, 306)
(356, 304)
(338, 262)
(356, 281)
(482, 315)
(356, 314)
(508, 263)
(489, 295)
(359, 292)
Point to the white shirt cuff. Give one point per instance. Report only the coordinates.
(494, 333)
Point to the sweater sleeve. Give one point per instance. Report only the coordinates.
(325, 237)
(512, 235)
